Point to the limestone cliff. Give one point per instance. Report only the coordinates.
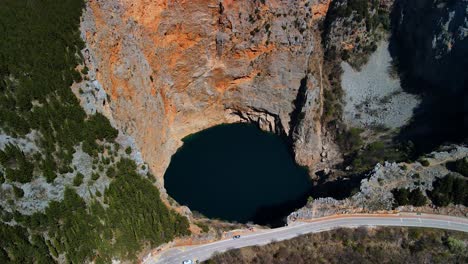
(173, 68)
(430, 43)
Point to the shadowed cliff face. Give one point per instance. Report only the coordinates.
(431, 46)
(173, 68)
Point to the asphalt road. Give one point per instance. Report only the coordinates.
(262, 237)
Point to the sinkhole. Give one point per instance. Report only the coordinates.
(238, 173)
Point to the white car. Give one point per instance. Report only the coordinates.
(188, 261)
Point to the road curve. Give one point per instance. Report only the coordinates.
(262, 237)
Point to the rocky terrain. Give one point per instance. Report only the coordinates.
(73, 188)
(354, 28)
(308, 70)
(172, 68)
(430, 44)
(439, 42)
(373, 97)
(375, 192)
(40, 192)
(161, 70)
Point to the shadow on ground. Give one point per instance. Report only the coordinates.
(419, 47)
(275, 216)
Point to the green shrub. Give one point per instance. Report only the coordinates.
(204, 227)
(126, 166)
(16, 247)
(350, 140)
(417, 198)
(128, 150)
(383, 18)
(460, 166)
(19, 193)
(374, 153)
(40, 53)
(345, 55)
(85, 70)
(17, 166)
(450, 189)
(49, 174)
(151, 177)
(95, 176)
(99, 127)
(78, 180)
(111, 173)
(424, 162)
(401, 196)
(405, 197)
(455, 245)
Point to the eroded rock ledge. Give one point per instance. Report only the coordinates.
(375, 192)
(172, 68)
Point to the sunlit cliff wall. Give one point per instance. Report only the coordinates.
(172, 68)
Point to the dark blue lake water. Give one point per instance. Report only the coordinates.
(237, 173)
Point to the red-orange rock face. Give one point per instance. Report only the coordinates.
(173, 68)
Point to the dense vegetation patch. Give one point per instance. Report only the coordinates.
(362, 245)
(133, 214)
(24, 249)
(378, 152)
(450, 189)
(17, 166)
(350, 139)
(39, 60)
(460, 166)
(406, 197)
(363, 157)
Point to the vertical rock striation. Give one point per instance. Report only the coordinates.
(172, 68)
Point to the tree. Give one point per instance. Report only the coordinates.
(459, 191)
(425, 162)
(401, 196)
(417, 198)
(450, 189)
(78, 180)
(455, 245)
(19, 193)
(99, 126)
(461, 166)
(350, 140)
(441, 195)
(128, 150)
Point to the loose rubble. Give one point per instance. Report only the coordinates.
(375, 191)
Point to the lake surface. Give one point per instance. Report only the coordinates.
(237, 173)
